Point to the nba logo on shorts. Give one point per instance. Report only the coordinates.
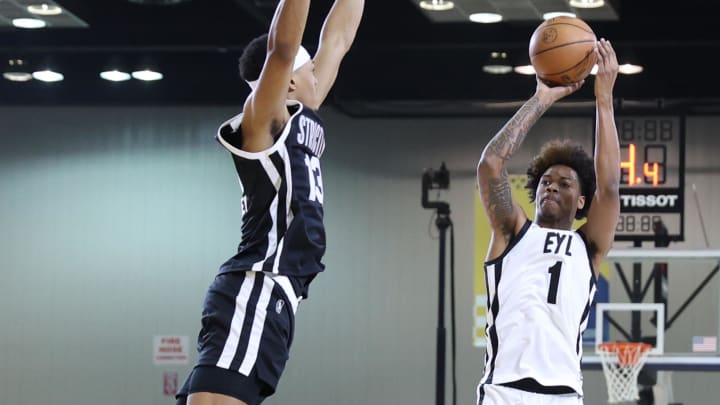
(278, 306)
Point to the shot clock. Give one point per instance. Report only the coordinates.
(652, 182)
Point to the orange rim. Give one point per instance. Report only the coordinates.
(628, 352)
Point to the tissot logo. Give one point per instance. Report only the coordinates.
(641, 200)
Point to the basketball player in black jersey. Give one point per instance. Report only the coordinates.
(276, 143)
(541, 273)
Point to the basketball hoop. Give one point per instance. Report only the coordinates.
(621, 364)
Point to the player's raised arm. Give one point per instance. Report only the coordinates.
(265, 108)
(605, 206)
(505, 215)
(336, 38)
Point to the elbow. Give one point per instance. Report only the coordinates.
(282, 54)
(482, 166)
(346, 41)
(282, 49)
(338, 44)
(488, 166)
(339, 33)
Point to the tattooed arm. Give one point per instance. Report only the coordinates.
(505, 215)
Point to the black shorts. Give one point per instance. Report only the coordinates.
(248, 323)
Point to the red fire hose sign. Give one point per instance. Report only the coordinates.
(170, 350)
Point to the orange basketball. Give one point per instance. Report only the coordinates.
(561, 50)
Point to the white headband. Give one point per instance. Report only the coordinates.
(301, 59)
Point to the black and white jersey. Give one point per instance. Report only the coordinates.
(539, 295)
(282, 198)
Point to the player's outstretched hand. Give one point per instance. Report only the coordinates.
(607, 69)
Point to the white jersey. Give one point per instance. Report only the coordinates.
(539, 295)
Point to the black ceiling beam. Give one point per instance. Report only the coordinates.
(261, 10)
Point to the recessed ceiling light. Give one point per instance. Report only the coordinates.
(497, 64)
(16, 62)
(44, 9)
(48, 76)
(553, 14)
(17, 76)
(28, 23)
(16, 71)
(437, 5)
(485, 18)
(115, 75)
(147, 75)
(524, 70)
(630, 69)
(587, 3)
(497, 69)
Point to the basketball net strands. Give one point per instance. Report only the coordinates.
(621, 365)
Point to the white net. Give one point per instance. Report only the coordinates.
(621, 364)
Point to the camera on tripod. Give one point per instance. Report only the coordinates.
(435, 180)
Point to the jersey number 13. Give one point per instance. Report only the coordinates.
(315, 178)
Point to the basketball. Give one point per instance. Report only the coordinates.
(561, 50)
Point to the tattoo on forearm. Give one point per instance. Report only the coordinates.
(499, 201)
(508, 140)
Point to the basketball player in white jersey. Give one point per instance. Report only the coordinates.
(276, 143)
(540, 274)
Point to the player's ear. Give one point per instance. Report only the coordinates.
(293, 85)
(581, 202)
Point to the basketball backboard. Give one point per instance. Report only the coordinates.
(669, 298)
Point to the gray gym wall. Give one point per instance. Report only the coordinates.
(114, 221)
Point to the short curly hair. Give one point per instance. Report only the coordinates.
(251, 61)
(568, 153)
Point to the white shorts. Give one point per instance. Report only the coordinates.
(501, 395)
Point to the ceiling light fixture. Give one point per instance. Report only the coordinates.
(497, 64)
(628, 61)
(147, 75)
(48, 75)
(44, 9)
(29, 23)
(485, 18)
(553, 14)
(437, 5)
(630, 69)
(17, 76)
(115, 75)
(16, 71)
(524, 70)
(587, 3)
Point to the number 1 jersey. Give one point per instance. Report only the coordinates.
(282, 199)
(539, 295)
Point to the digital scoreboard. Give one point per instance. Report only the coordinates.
(652, 182)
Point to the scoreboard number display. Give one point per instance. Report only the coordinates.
(652, 182)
